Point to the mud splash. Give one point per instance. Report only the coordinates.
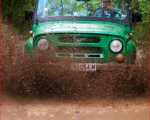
(22, 78)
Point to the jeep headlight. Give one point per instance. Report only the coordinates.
(115, 46)
(43, 44)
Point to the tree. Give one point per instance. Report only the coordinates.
(13, 11)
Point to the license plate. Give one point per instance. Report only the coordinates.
(84, 66)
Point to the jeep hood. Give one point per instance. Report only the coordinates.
(94, 27)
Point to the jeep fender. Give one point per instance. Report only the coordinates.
(29, 46)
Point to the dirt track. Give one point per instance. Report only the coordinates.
(78, 100)
(88, 109)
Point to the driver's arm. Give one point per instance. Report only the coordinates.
(117, 10)
(98, 12)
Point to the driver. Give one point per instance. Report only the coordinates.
(106, 10)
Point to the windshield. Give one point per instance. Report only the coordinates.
(83, 8)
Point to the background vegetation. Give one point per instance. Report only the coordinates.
(13, 13)
(140, 30)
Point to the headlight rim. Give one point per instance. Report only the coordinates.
(114, 51)
(47, 41)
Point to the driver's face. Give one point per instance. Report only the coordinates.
(106, 2)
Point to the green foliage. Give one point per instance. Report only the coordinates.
(140, 34)
(13, 12)
(142, 7)
(140, 30)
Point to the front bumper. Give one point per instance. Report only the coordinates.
(66, 68)
(110, 66)
(113, 66)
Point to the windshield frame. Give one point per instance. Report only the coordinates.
(38, 19)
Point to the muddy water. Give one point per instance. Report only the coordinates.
(61, 94)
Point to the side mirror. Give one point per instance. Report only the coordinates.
(28, 15)
(136, 17)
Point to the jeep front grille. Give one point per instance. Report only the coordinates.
(79, 49)
(65, 39)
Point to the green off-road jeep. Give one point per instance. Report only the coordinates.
(95, 33)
